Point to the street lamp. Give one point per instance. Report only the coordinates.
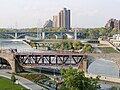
(55, 80)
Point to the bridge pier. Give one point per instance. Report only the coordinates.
(83, 66)
(75, 34)
(15, 35)
(16, 66)
(9, 57)
(43, 35)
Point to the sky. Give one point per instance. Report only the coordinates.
(34, 13)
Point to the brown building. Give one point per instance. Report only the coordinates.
(113, 23)
(64, 19)
(55, 21)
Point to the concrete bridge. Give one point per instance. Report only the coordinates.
(41, 35)
(19, 61)
(59, 35)
(17, 35)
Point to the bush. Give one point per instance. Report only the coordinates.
(88, 48)
(13, 79)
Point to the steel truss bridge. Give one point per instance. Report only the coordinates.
(48, 59)
(20, 61)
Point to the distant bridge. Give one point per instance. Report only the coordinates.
(41, 35)
(17, 35)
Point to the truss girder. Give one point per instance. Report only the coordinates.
(49, 59)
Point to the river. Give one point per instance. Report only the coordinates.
(104, 67)
(19, 45)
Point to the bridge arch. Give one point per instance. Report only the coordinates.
(9, 57)
(8, 61)
(104, 67)
(21, 35)
(12, 36)
(68, 36)
(51, 36)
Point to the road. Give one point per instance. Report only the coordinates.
(22, 81)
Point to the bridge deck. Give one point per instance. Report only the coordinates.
(51, 54)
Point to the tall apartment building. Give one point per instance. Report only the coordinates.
(55, 22)
(64, 19)
(48, 24)
(113, 23)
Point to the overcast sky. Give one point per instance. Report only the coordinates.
(85, 13)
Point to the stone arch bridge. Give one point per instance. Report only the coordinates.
(109, 56)
(19, 61)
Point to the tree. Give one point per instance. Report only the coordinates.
(13, 79)
(64, 36)
(77, 45)
(76, 80)
(114, 31)
(88, 48)
(51, 36)
(103, 32)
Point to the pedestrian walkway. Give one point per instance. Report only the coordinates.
(22, 81)
(104, 78)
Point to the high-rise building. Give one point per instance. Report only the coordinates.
(64, 19)
(118, 26)
(113, 23)
(55, 22)
(48, 24)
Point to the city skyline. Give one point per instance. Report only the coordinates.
(85, 14)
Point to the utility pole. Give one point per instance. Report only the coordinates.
(118, 26)
(37, 30)
(75, 34)
(16, 31)
(39, 25)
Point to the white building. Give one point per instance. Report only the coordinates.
(116, 40)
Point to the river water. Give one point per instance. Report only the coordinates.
(19, 45)
(104, 67)
(99, 67)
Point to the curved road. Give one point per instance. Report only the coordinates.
(22, 81)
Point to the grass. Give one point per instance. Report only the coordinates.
(6, 84)
(107, 50)
(33, 77)
(37, 78)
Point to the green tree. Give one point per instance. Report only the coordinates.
(13, 79)
(93, 33)
(77, 45)
(83, 33)
(88, 48)
(103, 32)
(114, 31)
(76, 80)
(51, 36)
(64, 37)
